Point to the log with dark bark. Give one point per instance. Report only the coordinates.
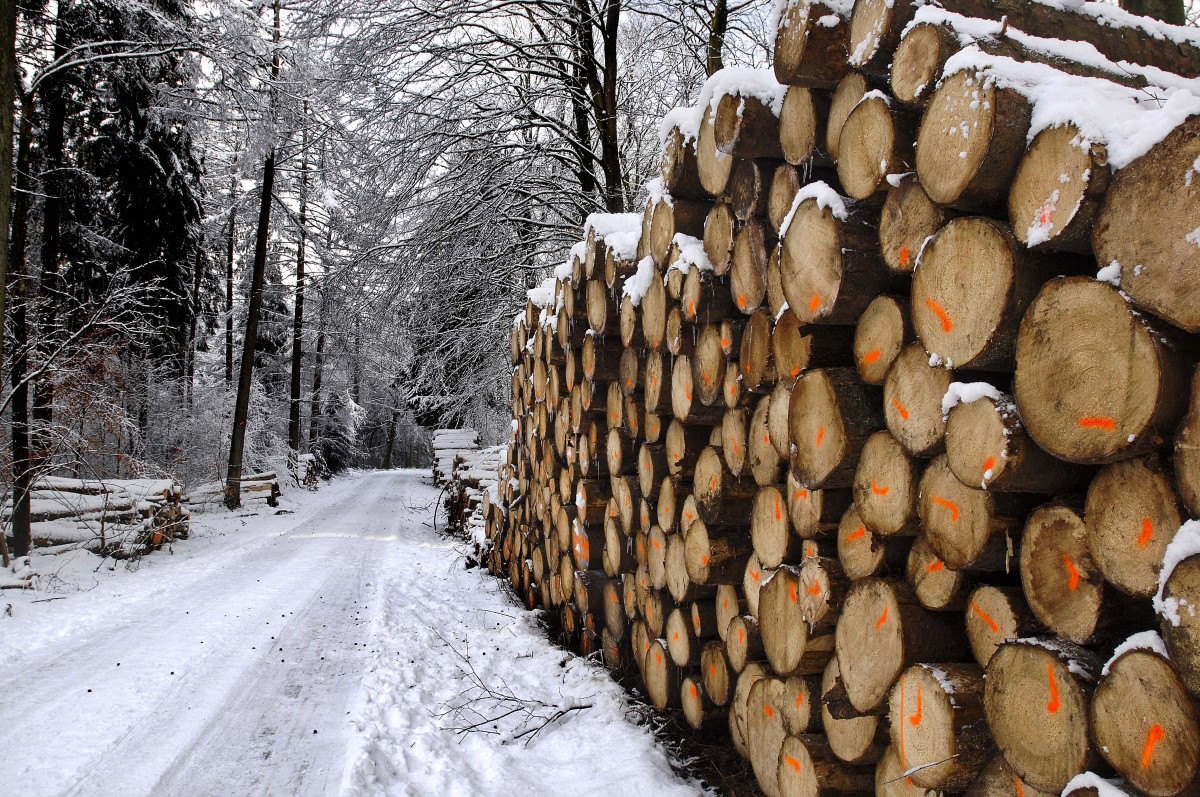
(810, 45)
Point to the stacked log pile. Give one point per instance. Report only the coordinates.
(470, 489)
(116, 517)
(448, 445)
(869, 439)
(257, 489)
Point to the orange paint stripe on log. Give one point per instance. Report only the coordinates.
(933, 568)
(877, 489)
(905, 256)
(815, 587)
(1020, 786)
(799, 700)
(800, 495)
(778, 510)
(820, 436)
(704, 560)
(915, 719)
(1097, 422)
(692, 307)
(687, 393)
(1054, 703)
(712, 669)
(861, 531)
(948, 505)
(882, 618)
(792, 591)
(795, 371)
(983, 616)
(1072, 572)
(695, 695)
(1153, 738)
(871, 356)
(1147, 532)
(900, 408)
(814, 304)
(770, 712)
(989, 463)
(741, 635)
(742, 301)
(947, 325)
(791, 762)
(754, 575)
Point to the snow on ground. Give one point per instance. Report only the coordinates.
(342, 649)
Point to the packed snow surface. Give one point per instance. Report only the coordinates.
(966, 392)
(737, 81)
(336, 650)
(825, 197)
(691, 253)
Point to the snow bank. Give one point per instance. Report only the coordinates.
(966, 392)
(735, 81)
(619, 231)
(826, 198)
(1128, 122)
(1146, 640)
(637, 285)
(1186, 543)
(691, 253)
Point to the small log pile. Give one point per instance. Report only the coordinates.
(469, 491)
(869, 439)
(448, 445)
(257, 489)
(116, 517)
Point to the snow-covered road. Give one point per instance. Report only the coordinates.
(336, 650)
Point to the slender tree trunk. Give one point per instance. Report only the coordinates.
(192, 332)
(391, 440)
(718, 25)
(22, 535)
(233, 477)
(51, 289)
(8, 94)
(230, 245)
(356, 373)
(314, 412)
(610, 136)
(582, 143)
(298, 322)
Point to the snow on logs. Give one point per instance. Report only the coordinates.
(870, 438)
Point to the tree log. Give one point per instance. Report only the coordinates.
(810, 47)
(1057, 191)
(885, 485)
(830, 417)
(968, 528)
(912, 402)
(996, 615)
(1094, 382)
(1036, 698)
(876, 140)
(882, 332)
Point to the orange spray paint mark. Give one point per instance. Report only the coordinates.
(800, 495)
(741, 636)
(692, 307)
(1147, 532)
(983, 616)
(733, 390)
(1054, 703)
(905, 255)
(877, 489)
(724, 343)
(948, 505)
(792, 591)
(820, 436)
(705, 561)
(713, 486)
(791, 762)
(753, 575)
(882, 618)
(814, 304)
(947, 325)
(687, 393)
(933, 568)
(1098, 422)
(871, 357)
(861, 531)
(778, 510)
(1020, 786)
(1072, 573)
(795, 372)
(815, 587)
(799, 700)
(712, 669)
(915, 718)
(742, 301)
(1153, 738)
(695, 694)
(900, 408)
(770, 712)
(989, 463)
(767, 439)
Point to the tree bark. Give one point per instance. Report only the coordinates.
(22, 536)
(298, 329)
(233, 476)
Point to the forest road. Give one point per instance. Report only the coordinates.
(233, 673)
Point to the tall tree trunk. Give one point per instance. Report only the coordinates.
(314, 412)
(298, 321)
(718, 24)
(391, 440)
(22, 535)
(233, 476)
(230, 245)
(582, 143)
(610, 136)
(1171, 11)
(356, 371)
(194, 329)
(54, 99)
(8, 94)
